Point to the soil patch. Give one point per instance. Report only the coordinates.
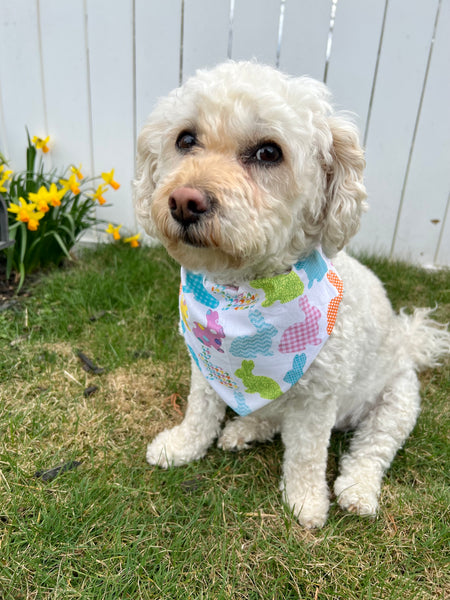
(7, 286)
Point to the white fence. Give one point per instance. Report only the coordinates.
(87, 73)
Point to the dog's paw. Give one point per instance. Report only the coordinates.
(240, 433)
(356, 497)
(308, 515)
(235, 436)
(173, 448)
(310, 509)
(159, 452)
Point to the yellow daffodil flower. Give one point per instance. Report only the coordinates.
(114, 231)
(2, 187)
(40, 199)
(45, 196)
(109, 179)
(77, 171)
(42, 206)
(26, 213)
(41, 144)
(33, 222)
(70, 184)
(22, 210)
(4, 172)
(99, 194)
(54, 196)
(133, 240)
(4, 176)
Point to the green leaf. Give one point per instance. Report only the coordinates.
(69, 218)
(23, 245)
(22, 276)
(11, 250)
(13, 227)
(69, 232)
(31, 158)
(62, 245)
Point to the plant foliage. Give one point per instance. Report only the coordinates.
(47, 211)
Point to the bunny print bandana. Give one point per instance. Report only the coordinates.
(255, 341)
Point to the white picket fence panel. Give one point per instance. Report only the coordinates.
(88, 72)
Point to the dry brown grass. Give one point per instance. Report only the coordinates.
(130, 406)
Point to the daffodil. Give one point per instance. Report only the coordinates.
(70, 184)
(109, 179)
(99, 194)
(77, 171)
(133, 240)
(26, 213)
(45, 197)
(54, 196)
(41, 144)
(2, 181)
(40, 199)
(114, 231)
(33, 222)
(4, 176)
(22, 210)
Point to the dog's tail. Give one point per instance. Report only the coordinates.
(427, 340)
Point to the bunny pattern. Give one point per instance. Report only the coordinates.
(262, 336)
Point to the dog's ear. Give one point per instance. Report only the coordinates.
(146, 166)
(344, 188)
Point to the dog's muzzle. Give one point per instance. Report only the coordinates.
(188, 205)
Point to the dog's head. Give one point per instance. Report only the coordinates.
(244, 170)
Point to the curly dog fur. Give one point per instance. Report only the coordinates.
(241, 172)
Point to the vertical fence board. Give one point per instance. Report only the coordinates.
(354, 49)
(255, 30)
(305, 35)
(402, 66)
(20, 78)
(206, 29)
(428, 183)
(158, 26)
(65, 76)
(94, 99)
(3, 138)
(112, 98)
(443, 251)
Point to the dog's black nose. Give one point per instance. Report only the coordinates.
(187, 205)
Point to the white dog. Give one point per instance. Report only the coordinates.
(253, 184)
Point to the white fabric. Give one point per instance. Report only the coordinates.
(253, 342)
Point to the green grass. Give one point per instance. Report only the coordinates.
(117, 528)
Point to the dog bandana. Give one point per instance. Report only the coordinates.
(255, 341)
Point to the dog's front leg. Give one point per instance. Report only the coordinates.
(201, 426)
(306, 431)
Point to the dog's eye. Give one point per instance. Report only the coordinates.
(185, 141)
(267, 154)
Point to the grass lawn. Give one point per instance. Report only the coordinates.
(112, 527)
